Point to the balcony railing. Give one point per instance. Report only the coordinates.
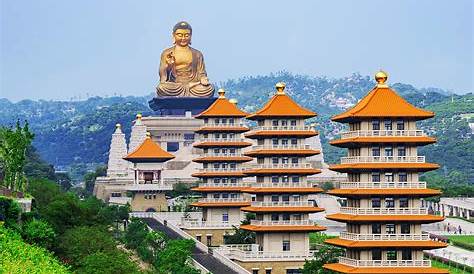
(382, 159)
(228, 169)
(195, 223)
(149, 187)
(224, 125)
(211, 184)
(222, 200)
(358, 185)
(279, 166)
(284, 204)
(382, 133)
(384, 263)
(281, 222)
(212, 154)
(284, 128)
(285, 185)
(384, 211)
(235, 139)
(281, 147)
(384, 237)
(251, 252)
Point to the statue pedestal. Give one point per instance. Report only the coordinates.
(178, 106)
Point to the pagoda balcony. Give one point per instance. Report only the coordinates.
(383, 211)
(384, 237)
(382, 133)
(250, 252)
(192, 223)
(212, 154)
(384, 263)
(222, 200)
(281, 222)
(211, 184)
(284, 204)
(228, 169)
(281, 147)
(382, 159)
(279, 166)
(155, 186)
(224, 125)
(283, 128)
(284, 185)
(238, 139)
(382, 185)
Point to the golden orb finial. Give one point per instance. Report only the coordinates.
(148, 135)
(139, 116)
(280, 87)
(233, 101)
(118, 125)
(381, 77)
(221, 93)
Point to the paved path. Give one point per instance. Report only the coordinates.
(205, 259)
(455, 254)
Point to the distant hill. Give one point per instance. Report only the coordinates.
(78, 132)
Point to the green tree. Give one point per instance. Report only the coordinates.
(63, 213)
(325, 255)
(114, 262)
(44, 191)
(90, 177)
(153, 244)
(9, 212)
(13, 146)
(39, 232)
(136, 233)
(176, 258)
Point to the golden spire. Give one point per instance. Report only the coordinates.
(381, 77)
(233, 101)
(221, 93)
(280, 87)
(139, 116)
(117, 125)
(148, 135)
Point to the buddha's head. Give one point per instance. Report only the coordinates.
(182, 32)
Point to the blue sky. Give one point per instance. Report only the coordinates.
(70, 49)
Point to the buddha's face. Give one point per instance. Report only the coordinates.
(182, 37)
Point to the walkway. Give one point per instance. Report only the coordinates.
(205, 259)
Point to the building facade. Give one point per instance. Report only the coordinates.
(383, 209)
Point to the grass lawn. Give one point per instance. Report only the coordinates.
(452, 270)
(469, 239)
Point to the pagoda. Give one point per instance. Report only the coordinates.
(221, 178)
(383, 209)
(148, 188)
(280, 192)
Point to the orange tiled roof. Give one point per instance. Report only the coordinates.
(281, 228)
(282, 190)
(341, 217)
(222, 129)
(281, 105)
(220, 204)
(222, 108)
(149, 151)
(223, 159)
(352, 142)
(382, 102)
(307, 171)
(413, 166)
(282, 209)
(222, 144)
(419, 192)
(342, 268)
(290, 133)
(306, 152)
(426, 244)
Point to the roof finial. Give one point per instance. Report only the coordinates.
(233, 101)
(280, 87)
(139, 116)
(118, 125)
(221, 93)
(148, 135)
(381, 77)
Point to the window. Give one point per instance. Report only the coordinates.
(268, 271)
(275, 198)
(375, 177)
(284, 142)
(172, 146)
(405, 228)
(375, 151)
(216, 135)
(260, 179)
(285, 198)
(391, 255)
(406, 255)
(294, 160)
(216, 121)
(376, 202)
(275, 142)
(206, 120)
(376, 229)
(116, 194)
(389, 203)
(294, 271)
(388, 151)
(376, 254)
(231, 121)
(286, 245)
(189, 136)
(403, 202)
(275, 216)
(285, 179)
(294, 141)
(225, 217)
(216, 151)
(388, 177)
(224, 135)
(285, 216)
(198, 238)
(375, 125)
(254, 271)
(284, 123)
(232, 150)
(295, 179)
(387, 124)
(234, 180)
(225, 195)
(275, 179)
(216, 165)
(232, 165)
(293, 123)
(209, 240)
(402, 177)
(284, 160)
(216, 196)
(400, 125)
(402, 151)
(233, 195)
(224, 120)
(390, 228)
(274, 160)
(275, 123)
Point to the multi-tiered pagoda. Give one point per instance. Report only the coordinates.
(280, 193)
(221, 178)
(383, 209)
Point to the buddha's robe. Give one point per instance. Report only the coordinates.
(185, 81)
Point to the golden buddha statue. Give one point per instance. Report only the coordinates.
(182, 70)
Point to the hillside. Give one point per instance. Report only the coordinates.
(78, 133)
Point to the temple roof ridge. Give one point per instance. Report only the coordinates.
(222, 108)
(149, 151)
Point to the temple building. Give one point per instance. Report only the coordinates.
(221, 178)
(280, 191)
(383, 210)
(148, 188)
